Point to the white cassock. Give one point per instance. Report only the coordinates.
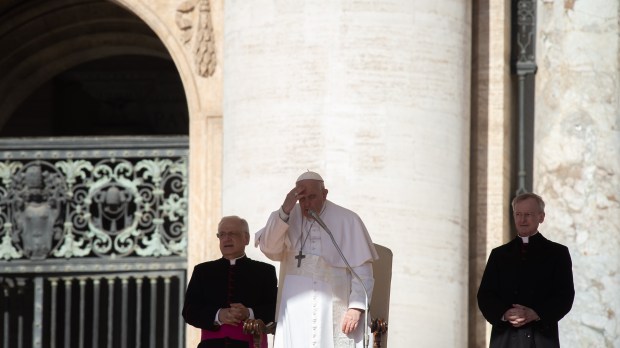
(316, 295)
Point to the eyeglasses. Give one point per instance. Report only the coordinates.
(231, 234)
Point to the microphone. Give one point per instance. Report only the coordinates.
(318, 219)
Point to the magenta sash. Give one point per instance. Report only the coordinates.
(234, 332)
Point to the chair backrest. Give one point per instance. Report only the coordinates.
(380, 303)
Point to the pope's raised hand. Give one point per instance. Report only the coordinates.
(291, 199)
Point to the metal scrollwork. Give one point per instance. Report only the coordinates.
(524, 57)
(38, 200)
(525, 37)
(109, 207)
(7, 249)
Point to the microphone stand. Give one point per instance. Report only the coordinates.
(320, 221)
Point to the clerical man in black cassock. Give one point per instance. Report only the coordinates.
(527, 285)
(222, 294)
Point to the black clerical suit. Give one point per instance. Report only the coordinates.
(539, 277)
(215, 285)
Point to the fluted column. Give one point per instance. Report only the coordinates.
(374, 96)
(577, 158)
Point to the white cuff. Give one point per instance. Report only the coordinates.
(217, 316)
(283, 215)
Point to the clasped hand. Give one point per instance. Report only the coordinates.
(234, 315)
(520, 315)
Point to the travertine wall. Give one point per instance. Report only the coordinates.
(577, 157)
(374, 96)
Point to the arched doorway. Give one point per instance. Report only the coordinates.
(123, 95)
(93, 132)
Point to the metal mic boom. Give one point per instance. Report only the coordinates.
(318, 219)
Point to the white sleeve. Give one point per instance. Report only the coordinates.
(273, 239)
(357, 298)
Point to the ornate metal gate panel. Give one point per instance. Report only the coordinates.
(93, 236)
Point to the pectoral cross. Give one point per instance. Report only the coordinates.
(299, 257)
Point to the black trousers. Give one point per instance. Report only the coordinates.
(514, 338)
(223, 343)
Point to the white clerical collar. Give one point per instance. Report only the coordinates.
(234, 261)
(526, 239)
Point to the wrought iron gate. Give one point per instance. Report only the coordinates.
(93, 237)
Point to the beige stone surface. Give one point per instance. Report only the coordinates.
(491, 141)
(578, 158)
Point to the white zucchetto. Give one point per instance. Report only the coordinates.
(309, 176)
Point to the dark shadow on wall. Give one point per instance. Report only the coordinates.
(121, 95)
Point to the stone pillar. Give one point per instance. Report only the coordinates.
(490, 194)
(205, 138)
(577, 158)
(374, 96)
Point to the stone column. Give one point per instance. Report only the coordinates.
(374, 95)
(577, 158)
(204, 91)
(490, 194)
